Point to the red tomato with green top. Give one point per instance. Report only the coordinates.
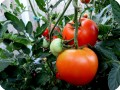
(87, 32)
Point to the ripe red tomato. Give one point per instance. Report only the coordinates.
(87, 32)
(85, 1)
(57, 75)
(77, 66)
(54, 37)
(46, 32)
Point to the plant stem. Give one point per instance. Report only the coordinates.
(34, 12)
(89, 10)
(50, 66)
(76, 25)
(67, 4)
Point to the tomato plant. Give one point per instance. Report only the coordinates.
(77, 67)
(35, 54)
(87, 32)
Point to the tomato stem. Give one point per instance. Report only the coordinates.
(34, 12)
(50, 66)
(60, 16)
(89, 10)
(76, 24)
(48, 17)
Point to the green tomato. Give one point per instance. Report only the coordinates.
(56, 46)
(45, 43)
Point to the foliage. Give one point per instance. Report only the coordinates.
(26, 65)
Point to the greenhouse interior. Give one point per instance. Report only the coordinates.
(59, 44)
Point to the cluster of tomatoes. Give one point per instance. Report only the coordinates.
(76, 66)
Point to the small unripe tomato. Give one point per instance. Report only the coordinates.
(45, 43)
(85, 1)
(56, 46)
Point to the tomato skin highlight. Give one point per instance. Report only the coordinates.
(87, 32)
(77, 67)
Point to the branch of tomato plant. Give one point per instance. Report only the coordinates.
(90, 10)
(48, 15)
(113, 61)
(34, 12)
(75, 2)
(50, 66)
(82, 14)
(60, 16)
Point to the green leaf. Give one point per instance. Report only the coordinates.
(66, 19)
(104, 29)
(41, 5)
(57, 3)
(105, 52)
(25, 49)
(40, 30)
(19, 4)
(42, 17)
(3, 28)
(103, 17)
(116, 47)
(43, 78)
(4, 63)
(116, 10)
(38, 44)
(29, 28)
(114, 77)
(116, 32)
(17, 39)
(5, 54)
(6, 58)
(18, 24)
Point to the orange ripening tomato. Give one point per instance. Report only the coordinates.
(87, 32)
(85, 1)
(77, 66)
